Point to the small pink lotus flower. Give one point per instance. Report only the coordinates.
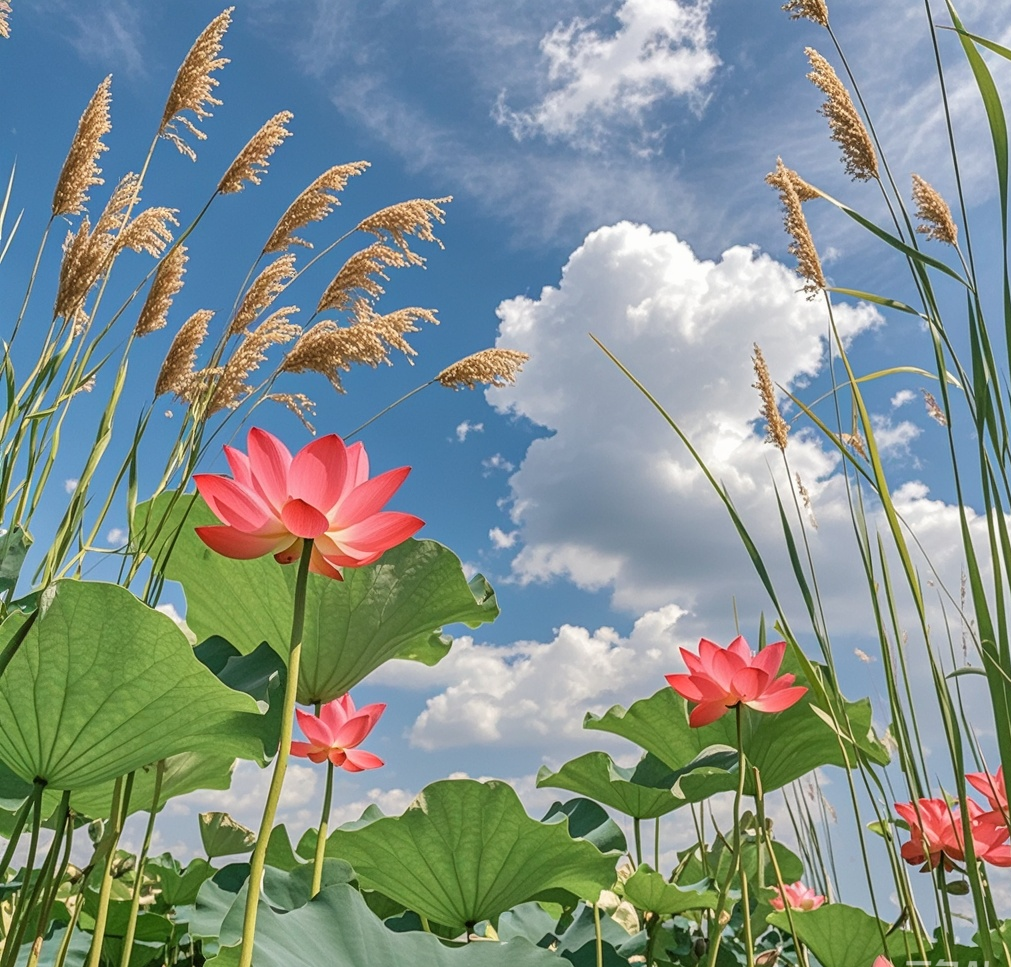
(337, 732)
(323, 494)
(935, 834)
(995, 791)
(721, 678)
(798, 896)
(882, 961)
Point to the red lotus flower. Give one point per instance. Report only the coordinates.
(721, 678)
(798, 896)
(935, 834)
(323, 494)
(336, 734)
(995, 791)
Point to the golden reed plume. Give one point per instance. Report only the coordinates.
(934, 213)
(251, 162)
(815, 10)
(263, 290)
(357, 275)
(491, 367)
(776, 428)
(327, 348)
(81, 171)
(412, 217)
(168, 280)
(5, 13)
(177, 369)
(191, 90)
(790, 186)
(312, 205)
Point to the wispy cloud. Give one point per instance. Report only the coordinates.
(464, 429)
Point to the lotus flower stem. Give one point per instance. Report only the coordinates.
(64, 827)
(599, 937)
(16, 928)
(115, 827)
(19, 824)
(656, 844)
(138, 873)
(259, 857)
(637, 829)
(317, 863)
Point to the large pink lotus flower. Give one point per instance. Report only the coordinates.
(721, 678)
(935, 834)
(798, 896)
(995, 791)
(336, 734)
(323, 494)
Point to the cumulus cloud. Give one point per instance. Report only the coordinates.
(502, 540)
(901, 398)
(497, 462)
(464, 429)
(595, 79)
(116, 537)
(70, 484)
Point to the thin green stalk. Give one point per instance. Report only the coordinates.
(656, 844)
(324, 819)
(258, 859)
(384, 411)
(138, 882)
(636, 829)
(64, 827)
(15, 929)
(599, 937)
(19, 824)
(120, 798)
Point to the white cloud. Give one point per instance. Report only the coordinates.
(116, 537)
(894, 438)
(660, 50)
(464, 429)
(901, 398)
(70, 485)
(501, 540)
(497, 462)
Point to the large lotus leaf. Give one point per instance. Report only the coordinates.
(224, 836)
(642, 792)
(339, 923)
(103, 685)
(648, 890)
(466, 851)
(720, 855)
(783, 746)
(587, 820)
(843, 936)
(394, 608)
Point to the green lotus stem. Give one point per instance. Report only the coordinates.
(317, 862)
(656, 844)
(138, 882)
(64, 830)
(259, 857)
(61, 954)
(115, 827)
(638, 841)
(652, 929)
(599, 937)
(16, 928)
(19, 824)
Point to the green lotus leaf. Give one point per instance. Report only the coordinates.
(179, 887)
(720, 855)
(338, 922)
(588, 820)
(783, 746)
(466, 851)
(648, 890)
(395, 608)
(843, 936)
(224, 836)
(103, 685)
(13, 550)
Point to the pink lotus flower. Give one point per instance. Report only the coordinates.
(336, 734)
(720, 678)
(323, 494)
(798, 896)
(995, 791)
(882, 961)
(935, 834)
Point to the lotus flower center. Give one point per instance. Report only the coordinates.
(303, 520)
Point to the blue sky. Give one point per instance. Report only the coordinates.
(606, 161)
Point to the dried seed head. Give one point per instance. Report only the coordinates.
(168, 280)
(806, 498)
(177, 369)
(80, 170)
(114, 216)
(357, 275)
(85, 257)
(231, 387)
(312, 205)
(785, 182)
(265, 288)
(413, 217)
(392, 327)
(299, 404)
(933, 410)
(492, 367)
(844, 121)
(5, 12)
(251, 162)
(327, 348)
(855, 440)
(776, 428)
(149, 231)
(815, 10)
(191, 90)
(934, 213)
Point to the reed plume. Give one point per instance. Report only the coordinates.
(84, 260)
(934, 213)
(312, 205)
(776, 428)
(933, 410)
(5, 12)
(491, 367)
(191, 90)
(806, 499)
(789, 184)
(177, 370)
(80, 170)
(147, 232)
(412, 217)
(231, 387)
(168, 280)
(265, 288)
(299, 404)
(327, 348)
(843, 119)
(815, 10)
(358, 275)
(252, 161)
(392, 327)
